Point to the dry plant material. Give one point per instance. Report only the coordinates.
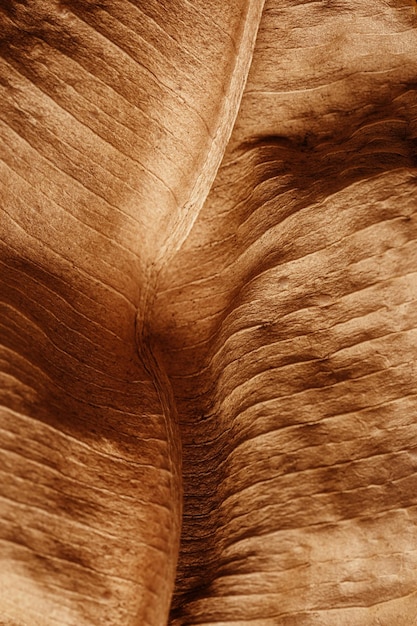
(208, 380)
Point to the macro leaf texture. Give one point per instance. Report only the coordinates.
(208, 323)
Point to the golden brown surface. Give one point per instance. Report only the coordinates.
(209, 323)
